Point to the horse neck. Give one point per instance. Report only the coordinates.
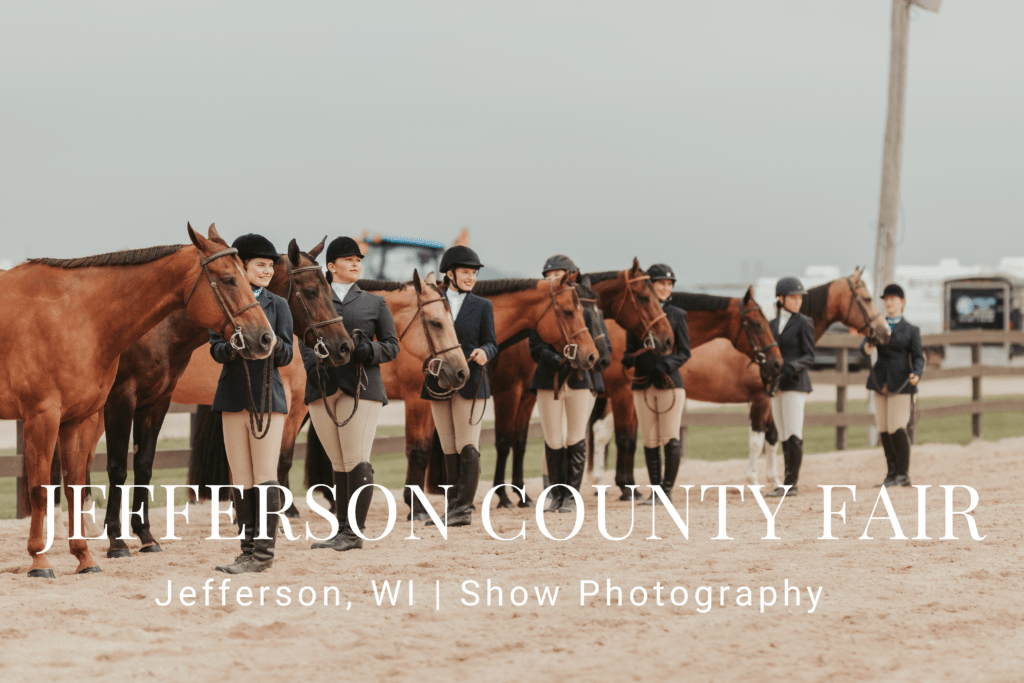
(608, 291)
(145, 294)
(836, 308)
(403, 304)
(518, 311)
(707, 325)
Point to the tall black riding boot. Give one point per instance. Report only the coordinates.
(673, 456)
(575, 463)
(245, 517)
(885, 438)
(901, 447)
(451, 477)
(360, 475)
(793, 455)
(342, 494)
(262, 557)
(469, 479)
(555, 458)
(653, 458)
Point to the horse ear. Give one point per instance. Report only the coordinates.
(430, 279)
(197, 239)
(749, 295)
(417, 282)
(636, 264)
(315, 251)
(214, 235)
(570, 277)
(293, 252)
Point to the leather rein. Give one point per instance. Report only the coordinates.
(237, 341)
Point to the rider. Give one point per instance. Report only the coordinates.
(564, 400)
(341, 398)
(794, 333)
(240, 396)
(658, 392)
(458, 414)
(899, 367)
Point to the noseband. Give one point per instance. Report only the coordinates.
(237, 341)
(865, 314)
(648, 333)
(432, 365)
(319, 347)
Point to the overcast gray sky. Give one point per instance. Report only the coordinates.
(705, 134)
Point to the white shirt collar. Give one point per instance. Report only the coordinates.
(784, 317)
(341, 289)
(455, 300)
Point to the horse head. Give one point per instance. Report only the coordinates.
(764, 350)
(434, 340)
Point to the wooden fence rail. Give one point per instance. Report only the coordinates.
(14, 465)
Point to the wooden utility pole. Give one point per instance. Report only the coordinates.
(892, 156)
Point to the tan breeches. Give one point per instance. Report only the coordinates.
(564, 419)
(252, 461)
(452, 419)
(891, 412)
(349, 445)
(660, 412)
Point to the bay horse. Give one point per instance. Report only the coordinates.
(427, 341)
(149, 371)
(740, 323)
(56, 382)
(511, 373)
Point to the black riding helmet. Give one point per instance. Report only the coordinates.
(252, 246)
(660, 271)
(459, 257)
(341, 247)
(789, 285)
(893, 290)
(558, 262)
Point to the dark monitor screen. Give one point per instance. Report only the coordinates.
(976, 308)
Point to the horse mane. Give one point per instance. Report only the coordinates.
(382, 285)
(688, 301)
(505, 286)
(585, 292)
(128, 257)
(601, 276)
(815, 302)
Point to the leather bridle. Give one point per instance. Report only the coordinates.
(319, 347)
(760, 353)
(237, 341)
(571, 348)
(648, 333)
(865, 314)
(433, 364)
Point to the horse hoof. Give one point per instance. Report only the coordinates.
(421, 517)
(526, 503)
(41, 574)
(155, 548)
(115, 553)
(504, 504)
(90, 570)
(291, 513)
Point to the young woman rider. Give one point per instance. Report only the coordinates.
(252, 458)
(794, 332)
(457, 415)
(894, 380)
(658, 392)
(564, 399)
(332, 397)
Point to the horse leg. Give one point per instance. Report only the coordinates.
(118, 420)
(518, 458)
(756, 441)
(771, 441)
(603, 430)
(75, 459)
(419, 436)
(148, 422)
(625, 452)
(292, 425)
(502, 444)
(40, 439)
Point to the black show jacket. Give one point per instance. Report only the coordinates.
(474, 329)
(652, 369)
(796, 343)
(232, 388)
(897, 359)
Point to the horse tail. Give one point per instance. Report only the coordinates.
(436, 476)
(208, 463)
(318, 466)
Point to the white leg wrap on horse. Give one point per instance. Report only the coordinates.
(756, 440)
(604, 430)
(772, 472)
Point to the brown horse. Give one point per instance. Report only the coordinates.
(149, 371)
(511, 373)
(628, 297)
(56, 382)
(739, 321)
(718, 373)
(428, 343)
